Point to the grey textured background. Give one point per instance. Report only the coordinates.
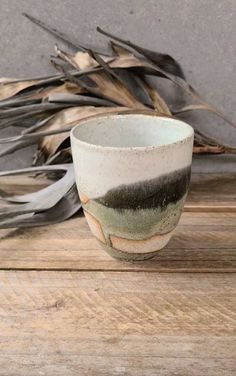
(200, 34)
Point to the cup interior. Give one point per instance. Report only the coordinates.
(132, 131)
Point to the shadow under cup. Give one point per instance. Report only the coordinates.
(132, 173)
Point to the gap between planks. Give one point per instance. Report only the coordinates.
(209, 208)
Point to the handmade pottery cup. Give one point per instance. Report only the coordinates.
(132, 173)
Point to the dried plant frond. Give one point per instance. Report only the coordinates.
(89, 84)
(68, 119)
(9, 89)
(35, 208)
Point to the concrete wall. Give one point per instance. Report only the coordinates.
(200, 34)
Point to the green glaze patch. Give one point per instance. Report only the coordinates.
(136, 224)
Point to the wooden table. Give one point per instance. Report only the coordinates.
(67, 308)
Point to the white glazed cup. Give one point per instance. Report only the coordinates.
(132, 173)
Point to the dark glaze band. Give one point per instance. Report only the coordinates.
(153, 193)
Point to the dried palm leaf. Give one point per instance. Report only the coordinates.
(25, 143)
(67, 119)
(127, 77)
(164, 65)
(34, 208)
(18, 101)
(62, 156)
(32, 109)
(58, 130)
(9, 89)
(126, 58)
(17, 146)
(56, 33)
(78, 99)
(171, 70)
(66, 88)
(157, 101)
(165, 62)
(62, 210)
(206, 145)
(48, 107)
(108, 85)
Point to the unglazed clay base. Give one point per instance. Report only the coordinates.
(127, 256)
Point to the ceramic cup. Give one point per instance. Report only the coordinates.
(132, 173)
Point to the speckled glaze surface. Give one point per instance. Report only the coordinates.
(132, 174)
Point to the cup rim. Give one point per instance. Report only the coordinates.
(89, 145)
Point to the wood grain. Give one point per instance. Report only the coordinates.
(96, 323)
(212, 189)
(68, 308)
(202, 243)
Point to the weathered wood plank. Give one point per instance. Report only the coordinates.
(206, 190)
(201, 243)
(215, 192)
(117, 324)
(203, 207)
(212, 189)
(202, 219)
(71, 364)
